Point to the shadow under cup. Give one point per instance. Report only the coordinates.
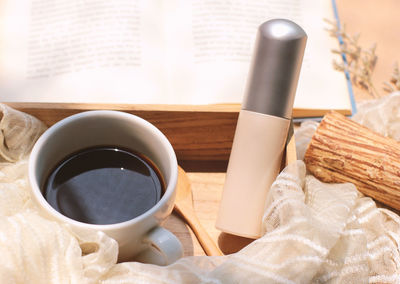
(112, 128)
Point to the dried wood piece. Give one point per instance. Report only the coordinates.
(342, 150)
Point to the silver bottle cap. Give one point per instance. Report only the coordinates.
(275, 69)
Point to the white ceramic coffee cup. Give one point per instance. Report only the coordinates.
(141, 235)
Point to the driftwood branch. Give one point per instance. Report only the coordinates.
(342, 150)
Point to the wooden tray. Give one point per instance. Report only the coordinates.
(201, 135)
(202, 138)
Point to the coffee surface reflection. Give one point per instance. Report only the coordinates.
(104, 185)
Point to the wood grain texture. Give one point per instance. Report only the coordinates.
(207, 190)
(201, 135)
(342, 150)
(185, 208)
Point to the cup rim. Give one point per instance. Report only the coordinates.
(38, 195)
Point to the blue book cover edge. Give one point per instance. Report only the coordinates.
(348, 78)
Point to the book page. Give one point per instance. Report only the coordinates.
(155, 52)
(81, 51)
(219, 40)
(320, 86)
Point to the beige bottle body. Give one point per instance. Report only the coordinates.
(254, 163)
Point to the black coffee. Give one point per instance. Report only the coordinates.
(103, 185)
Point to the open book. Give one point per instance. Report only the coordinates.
(188, 52)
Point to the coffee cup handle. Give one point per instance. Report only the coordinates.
(161, 242)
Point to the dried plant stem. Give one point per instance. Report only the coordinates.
(394, 83)
(360, 62)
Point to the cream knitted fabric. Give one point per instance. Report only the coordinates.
(314, 233)
(18, 133)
